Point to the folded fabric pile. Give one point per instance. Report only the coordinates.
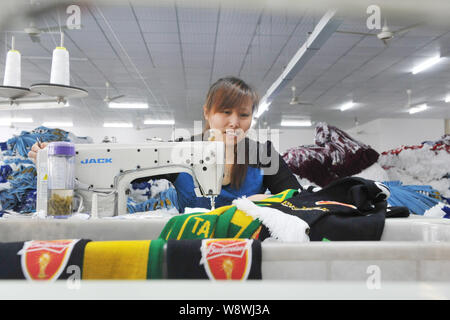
(417, 198)
(425, 164)
(18, 173)
(334, 155)
(159, 194)
(348, 209)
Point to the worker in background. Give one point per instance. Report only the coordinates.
(228, 113)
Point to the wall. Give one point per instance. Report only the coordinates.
(123, 135)
(381, 134)
(386, 134)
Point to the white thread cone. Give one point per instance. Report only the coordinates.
(60, 73)
(12, 69)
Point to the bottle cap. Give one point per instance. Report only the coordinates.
(61, 148)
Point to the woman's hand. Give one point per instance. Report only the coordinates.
(34, 150)
(258, 197)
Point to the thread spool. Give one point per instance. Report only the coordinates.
(60, 73)
(12, 67)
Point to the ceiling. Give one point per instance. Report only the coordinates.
(169, 53)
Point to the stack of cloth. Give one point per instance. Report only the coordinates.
(418, 176)
(419, 199)
(427, 163)
(348, 209)
(18, 173)
(152, 195)
(334, 155)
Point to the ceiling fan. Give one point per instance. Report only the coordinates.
(34, 32)
(409, 105)
(385, 34)
(295, 101)
(109, 99)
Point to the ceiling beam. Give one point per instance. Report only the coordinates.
(327, 25)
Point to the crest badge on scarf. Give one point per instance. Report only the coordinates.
(45, 260)
(227, 259)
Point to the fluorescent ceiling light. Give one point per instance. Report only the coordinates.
(22, 120)
(296, 123)
(347, 106)
(447, 99)
(420, 108)
(128, 105)
(117, 125)
(24, 104)
(58, 124)
(16, 120)
(263, 106)
(427, 64)
(160, 122)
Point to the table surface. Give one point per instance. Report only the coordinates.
(218, 290)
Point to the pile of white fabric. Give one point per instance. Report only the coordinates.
(424, 164)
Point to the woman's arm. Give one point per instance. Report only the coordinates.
(283, 178)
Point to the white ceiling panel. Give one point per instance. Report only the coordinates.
(154, 13)
(169, 53)
(159, 26)
(161, 37)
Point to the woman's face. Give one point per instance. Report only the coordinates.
(231, 124)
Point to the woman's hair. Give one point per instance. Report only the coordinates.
(231, 92)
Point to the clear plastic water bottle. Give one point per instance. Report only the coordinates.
(61, 182)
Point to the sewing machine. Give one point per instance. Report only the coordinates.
(108, 169)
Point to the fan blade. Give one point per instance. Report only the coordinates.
(59, 28)
(116, 97)
(406, 29)
(35, 38)
(358, 33)
(301, 103)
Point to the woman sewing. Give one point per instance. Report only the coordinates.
(228, 112)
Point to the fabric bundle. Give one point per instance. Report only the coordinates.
(17, 185)
(425, 164)
(152, 195)
(348, 209)
(18, 173)
(334, 155)
(417, 198)
(20, 145)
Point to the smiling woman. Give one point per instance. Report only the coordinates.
(228, 113)
(250, 167)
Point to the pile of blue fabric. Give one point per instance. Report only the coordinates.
(18, 173)
(417, 198)
(152, 195)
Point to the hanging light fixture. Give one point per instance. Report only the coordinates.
(59, 85)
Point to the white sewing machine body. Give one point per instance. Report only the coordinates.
(110, 168)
